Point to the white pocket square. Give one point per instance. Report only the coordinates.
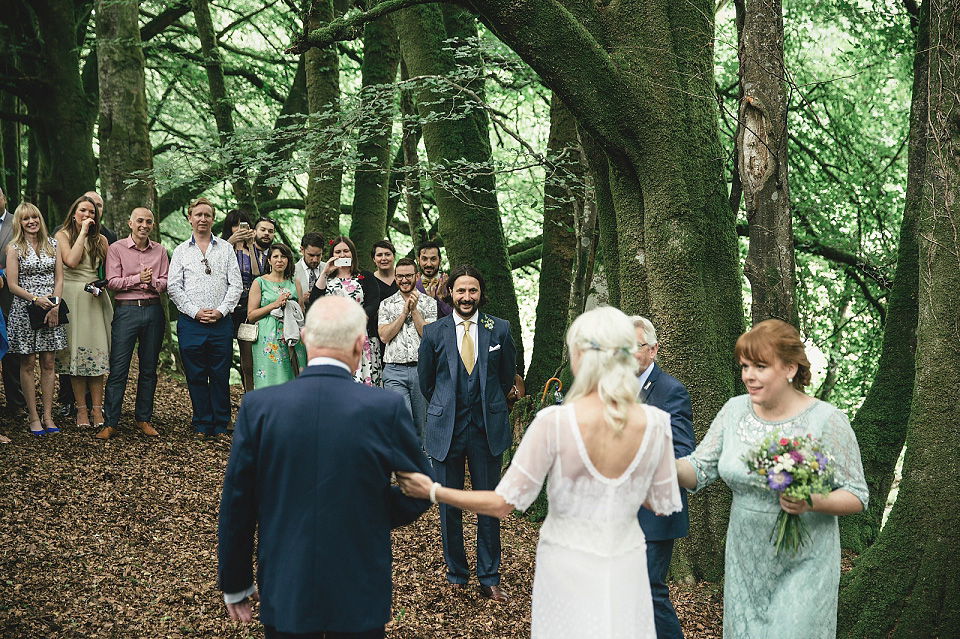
(495, 347)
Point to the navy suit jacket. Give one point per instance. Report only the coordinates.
(665, 392)
(437, 367)
(310, 465)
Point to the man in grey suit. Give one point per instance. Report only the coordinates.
(466, 366)
(11, 361)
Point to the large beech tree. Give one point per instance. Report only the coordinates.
(125, 149)
(905, 585)
(641, 84)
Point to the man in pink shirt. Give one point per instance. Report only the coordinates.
(137, 272)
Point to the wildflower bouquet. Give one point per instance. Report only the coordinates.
(796, 467)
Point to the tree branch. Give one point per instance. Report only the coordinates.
(349, 27)
(814, 246)
(164, 19)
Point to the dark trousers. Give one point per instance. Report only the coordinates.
(11, 381)
(658, 563)
(206, 351)
(470, 448)
(132, 325)
(271, 633)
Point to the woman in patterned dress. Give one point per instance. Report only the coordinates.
(87, 359)
(272, 364)
(766, 593)
(347, 280)
(35, 277)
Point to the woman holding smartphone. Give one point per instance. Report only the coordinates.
(35, 277)
(342, 276)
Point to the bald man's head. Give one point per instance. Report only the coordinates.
(141, 225)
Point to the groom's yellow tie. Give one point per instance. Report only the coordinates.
(466, 348)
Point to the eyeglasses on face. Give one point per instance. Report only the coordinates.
(411, 276)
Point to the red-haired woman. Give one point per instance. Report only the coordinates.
(765, 592)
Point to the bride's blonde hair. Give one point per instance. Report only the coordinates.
(605, 341)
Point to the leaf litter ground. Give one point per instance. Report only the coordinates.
(118, 539)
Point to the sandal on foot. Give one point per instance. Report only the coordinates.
(51, 429)
(98, 424)
(82, 410)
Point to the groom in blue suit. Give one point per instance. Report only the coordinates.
(311, 465)
(659, 389)
(466, 365)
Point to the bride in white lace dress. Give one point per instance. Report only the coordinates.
(606, 455)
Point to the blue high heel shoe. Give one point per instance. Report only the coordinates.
(36, 433)
(51, 430)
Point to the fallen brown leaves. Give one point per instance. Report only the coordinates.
(118, 539)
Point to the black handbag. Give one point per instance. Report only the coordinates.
(38, 316)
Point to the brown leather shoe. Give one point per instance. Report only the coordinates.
(147, 429)
(107, 433)
(494, 593)
(457, 589)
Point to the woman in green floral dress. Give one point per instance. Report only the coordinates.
(272, 362)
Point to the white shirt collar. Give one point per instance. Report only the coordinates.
(460, 320)
(328, 361)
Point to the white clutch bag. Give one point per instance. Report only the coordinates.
(247, 332)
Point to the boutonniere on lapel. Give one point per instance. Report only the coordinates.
(487, 322)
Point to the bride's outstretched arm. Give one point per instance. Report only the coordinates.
(482, 502)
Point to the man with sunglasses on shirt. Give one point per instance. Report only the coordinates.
(205, 284)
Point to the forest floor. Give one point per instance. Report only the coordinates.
(119, 539)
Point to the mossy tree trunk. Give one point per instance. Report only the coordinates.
(123, 133)
(642, 86)
(762, 162)
(905, 585)
(45, 50)
(469, 215)
(381, 58)
(267, 185)
(325, 176)
(221, 106)
(10, 139)
(559, 245)
(409, 144)
(881, 422)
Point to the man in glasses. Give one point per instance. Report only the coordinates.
(401, 319)
(205, 284)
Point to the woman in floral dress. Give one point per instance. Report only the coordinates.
(35, 277)
(342, 276)
(272, 364)
(87, 359)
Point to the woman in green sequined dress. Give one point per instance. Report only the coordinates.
(272, 363)
(791, 594)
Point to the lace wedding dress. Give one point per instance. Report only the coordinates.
(591, 576)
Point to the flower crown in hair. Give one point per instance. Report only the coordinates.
(623, 351)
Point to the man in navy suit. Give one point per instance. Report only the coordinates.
(659, 389)
(466, 365)
(311, 463)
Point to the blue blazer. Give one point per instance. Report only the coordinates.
(665, 392)
(310, 466)
(437, 366)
